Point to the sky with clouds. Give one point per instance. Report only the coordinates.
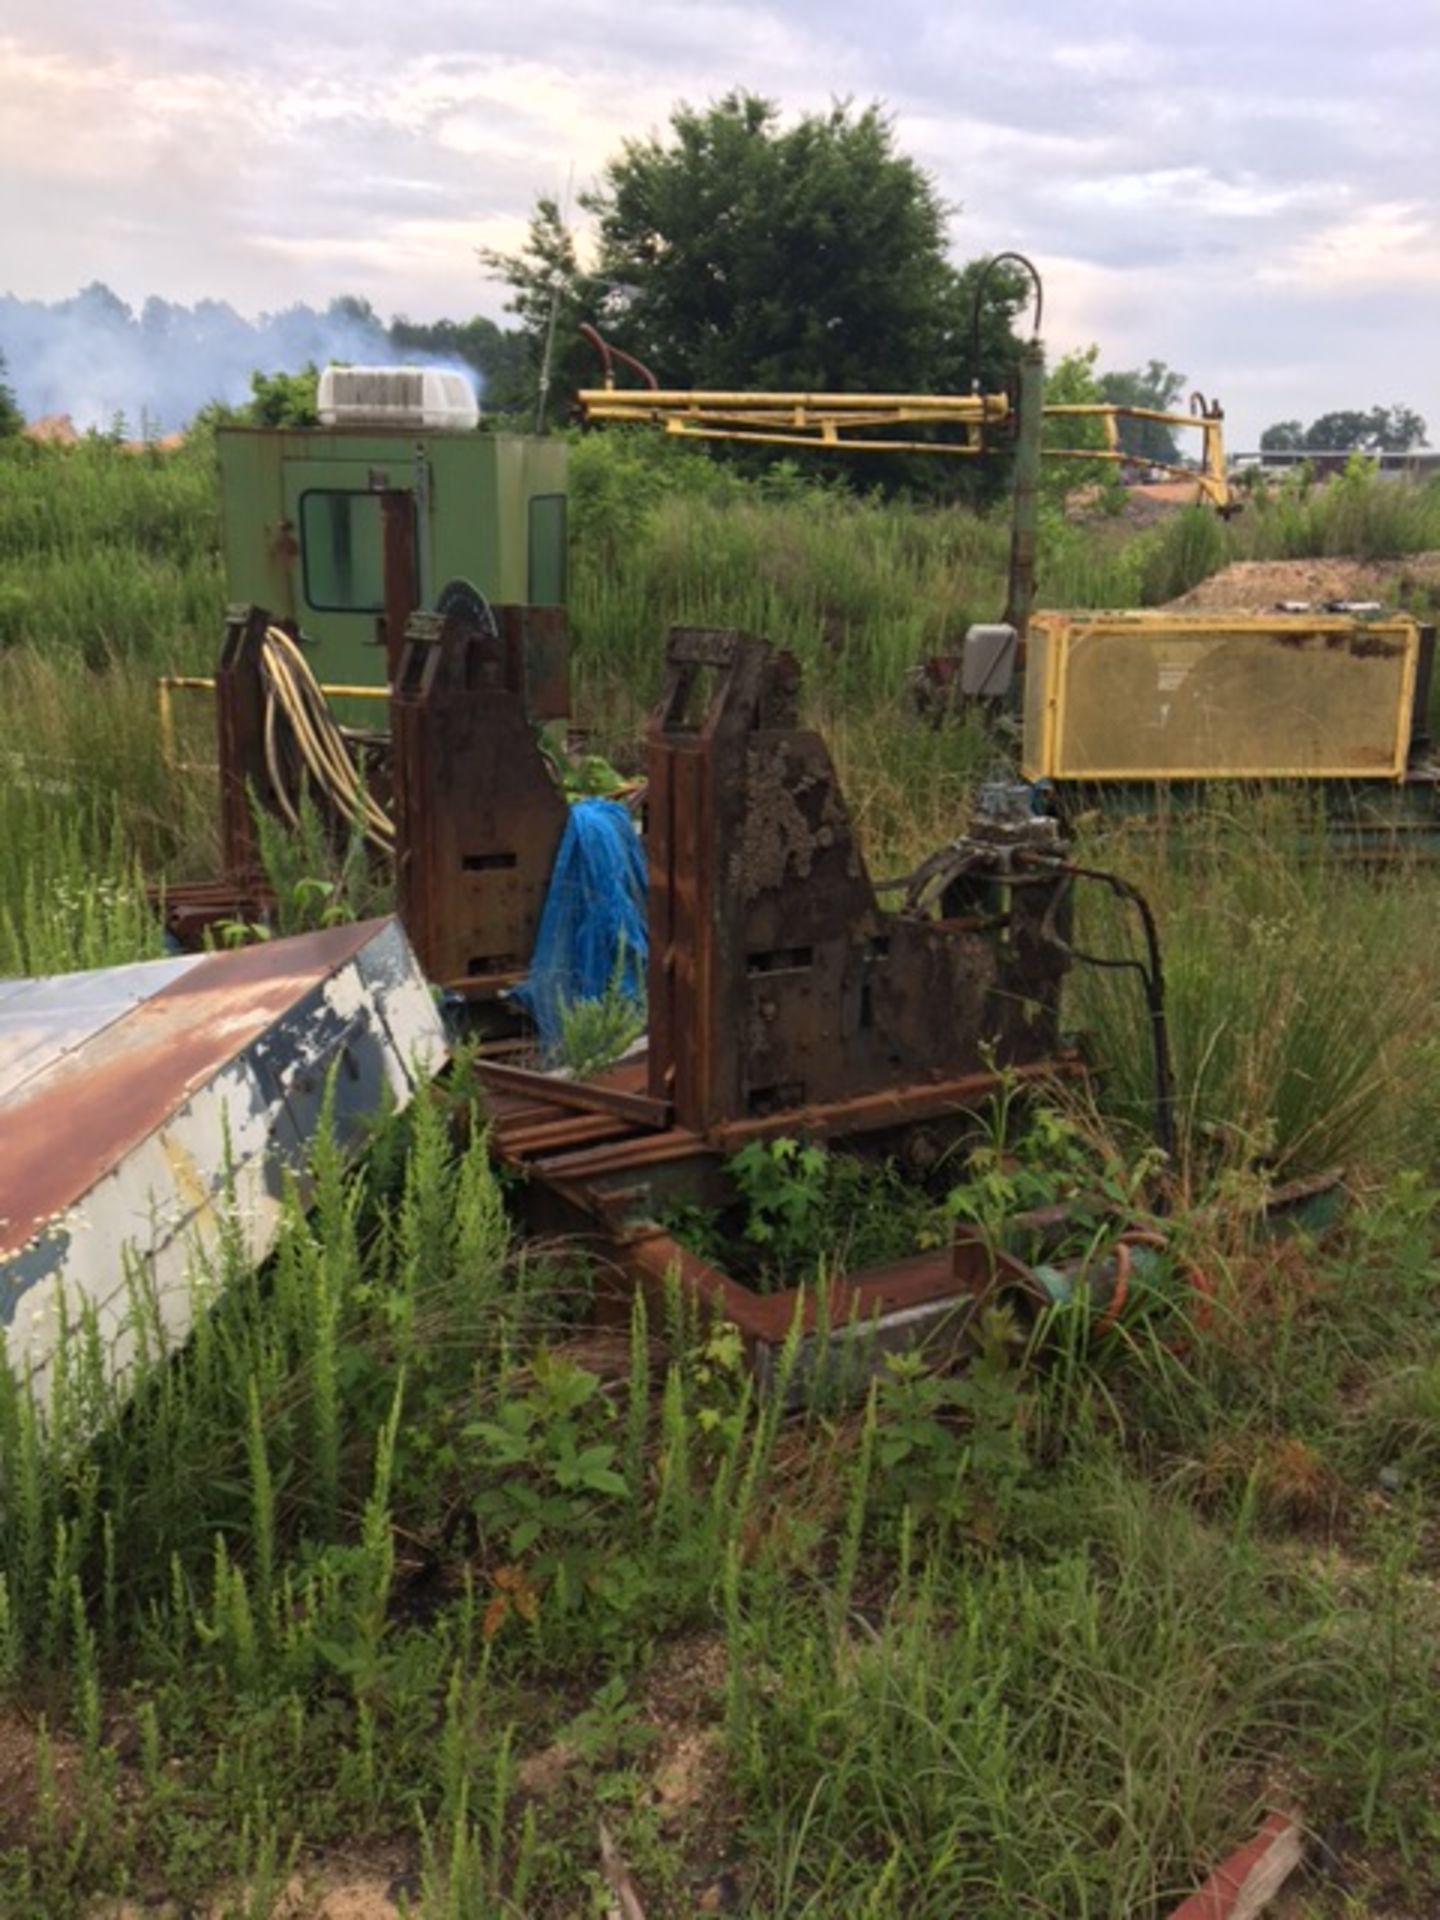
(1248, 191)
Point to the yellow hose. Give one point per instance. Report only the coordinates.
(291, 690)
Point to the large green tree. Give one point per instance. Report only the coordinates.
(737, 252)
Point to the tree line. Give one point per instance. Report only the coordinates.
(1349, 430)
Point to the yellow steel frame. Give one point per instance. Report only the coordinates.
(1212, 479)
(1060, 630)
(167, 684)
(838, 422)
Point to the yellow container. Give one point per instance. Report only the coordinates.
(1205, 696)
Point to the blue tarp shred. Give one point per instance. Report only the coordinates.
(593, 919)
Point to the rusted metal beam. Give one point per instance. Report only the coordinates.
(401, 572)
(240, 739)
(584, 1096)
(892, 1106)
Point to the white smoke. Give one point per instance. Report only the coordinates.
(93, 358)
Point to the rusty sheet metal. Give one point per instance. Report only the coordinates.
(125, 1096)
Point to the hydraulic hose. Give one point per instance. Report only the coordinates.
(293, 695)
(1150, 970)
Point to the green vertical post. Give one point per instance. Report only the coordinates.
(1026, 508)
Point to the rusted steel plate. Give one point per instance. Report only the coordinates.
(42, 1022)
(585, 1096)
(890, 1107)
(478, 813)
(779, 987)
(908, 1303)
(125, 1096)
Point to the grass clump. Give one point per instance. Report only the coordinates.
(1301, 1012)
(71, 897)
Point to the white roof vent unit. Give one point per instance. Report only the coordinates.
(409, 397)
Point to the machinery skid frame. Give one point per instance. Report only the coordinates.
(785, 1001)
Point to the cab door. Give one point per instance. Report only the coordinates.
(334, 509)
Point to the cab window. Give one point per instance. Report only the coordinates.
(342, 551)
(547, 550)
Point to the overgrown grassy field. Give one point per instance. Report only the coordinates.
(399, 1570)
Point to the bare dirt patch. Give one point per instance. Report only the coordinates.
(20, 1780)
(1256, 586)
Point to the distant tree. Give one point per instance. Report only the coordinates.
(499, 355)
(1397, 429)
(1073, 381)
(550, 295)
(356, 311)
(1157, 387)
(1285, 436)
(284, 399)
(1348, 430)
(1394, 429)
(11, 418)
(738, 253)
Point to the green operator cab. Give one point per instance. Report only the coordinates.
(303, 511)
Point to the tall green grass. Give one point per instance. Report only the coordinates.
(107, 553)
(1300, 992)
(388, 1545)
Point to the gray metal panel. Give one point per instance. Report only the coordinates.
(45, 1020)
(165, 1115)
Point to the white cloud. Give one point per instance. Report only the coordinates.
(1195, 191)
(1386, 245)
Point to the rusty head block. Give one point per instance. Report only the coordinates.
(777, 982)
(478, 814)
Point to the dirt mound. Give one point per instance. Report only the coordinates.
(1256, 586)
(56, 428)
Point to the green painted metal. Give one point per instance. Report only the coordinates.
(301, 531)
(1025, 509)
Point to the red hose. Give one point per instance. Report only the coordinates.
(1201, 1287)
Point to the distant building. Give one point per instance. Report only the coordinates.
(1421, 463)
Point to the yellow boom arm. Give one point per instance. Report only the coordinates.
(855, 423)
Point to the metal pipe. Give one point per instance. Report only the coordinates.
(602, 400)
(1026, 509)
(204, 683)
